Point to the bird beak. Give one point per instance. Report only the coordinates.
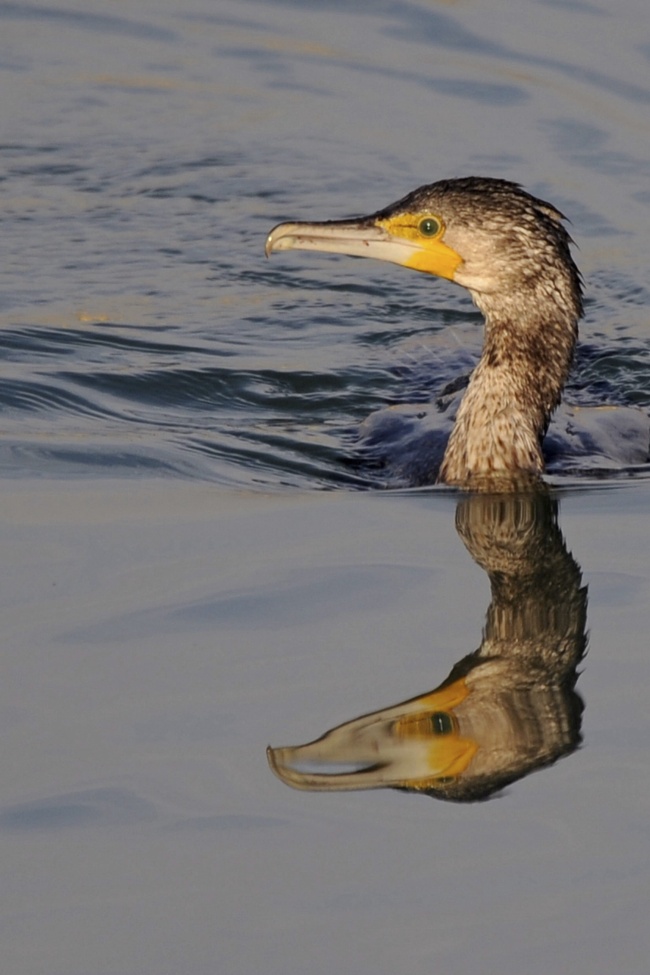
(386, 239)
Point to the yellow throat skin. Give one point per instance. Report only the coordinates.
(511, 251)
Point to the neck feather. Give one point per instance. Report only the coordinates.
(512, 392)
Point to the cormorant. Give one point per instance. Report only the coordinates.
(511, 251)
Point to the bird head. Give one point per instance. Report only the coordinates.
(487, 235)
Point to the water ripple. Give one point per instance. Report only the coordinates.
(140, 325)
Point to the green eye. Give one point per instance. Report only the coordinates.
(429, 227)
(441, 723)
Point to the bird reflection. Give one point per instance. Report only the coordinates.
(505, 710)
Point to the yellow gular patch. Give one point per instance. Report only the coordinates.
(424, 250)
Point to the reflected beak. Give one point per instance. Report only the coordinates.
(399, 747)
(366, 237)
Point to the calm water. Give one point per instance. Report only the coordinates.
(178, 590)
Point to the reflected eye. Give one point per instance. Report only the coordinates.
(441, 723)
(429, 227)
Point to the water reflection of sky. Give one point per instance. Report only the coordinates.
(164, 617)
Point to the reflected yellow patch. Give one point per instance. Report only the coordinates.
(448, 754)
(449, 758)
(417, 724)
(446, 698)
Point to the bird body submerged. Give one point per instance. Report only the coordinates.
(512, 252)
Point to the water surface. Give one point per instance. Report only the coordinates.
(145, 155)
(194, 564)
